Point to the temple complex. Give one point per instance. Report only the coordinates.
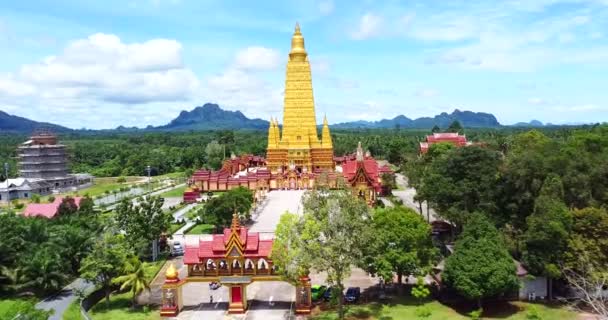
(296, 158)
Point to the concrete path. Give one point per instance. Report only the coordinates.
(179, 214)
(267, 216)
(407, 196)
(61, 300)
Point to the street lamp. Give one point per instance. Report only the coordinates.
(8, 194)
(148, 169)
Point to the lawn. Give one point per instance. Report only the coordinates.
(406, 309)
(73, 311)
(120, 303)
(201, 229)
(174, 193)
(175, 226)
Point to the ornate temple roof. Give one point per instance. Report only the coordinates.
(220, 245)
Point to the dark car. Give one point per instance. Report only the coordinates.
(329, 293)
(352, 294)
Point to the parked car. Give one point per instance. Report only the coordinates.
(352, 294)
(177, 249)
(317, 292)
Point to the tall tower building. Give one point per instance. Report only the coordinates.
(298, 145)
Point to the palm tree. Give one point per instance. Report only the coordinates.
(134, 278)
(14, 277)
(45, 270)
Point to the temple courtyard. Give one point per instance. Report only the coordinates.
(267, 300)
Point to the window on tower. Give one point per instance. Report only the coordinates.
(299, 138)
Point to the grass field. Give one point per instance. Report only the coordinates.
(175, 193)
(73, 311)
(174, 227)
(201, 229)
(120, 304)
(406, 309)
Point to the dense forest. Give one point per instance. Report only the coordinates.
(125, 154)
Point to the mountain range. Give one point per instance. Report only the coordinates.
(211, 117)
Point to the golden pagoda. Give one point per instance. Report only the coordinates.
(298, 146)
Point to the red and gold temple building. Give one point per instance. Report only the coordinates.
(446, 137)
(235, 258)
(296, 158)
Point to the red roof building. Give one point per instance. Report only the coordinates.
(235, 251)
(47, 210)
(450, 137)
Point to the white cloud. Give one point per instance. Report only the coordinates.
(257, 58)
(369, 26)
(326, 7)
(537, 101)
(101, 72)
(426, 93)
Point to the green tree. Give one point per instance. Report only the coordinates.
(286, 249)
(401, 244)
(134, 278)
(220, 209)
(435, 129)
(546, 239)
(462, 181)
(105, 262)
(455, 126)
(336, 231)
(215, 155)
(588, 241)
(44, 268)
(144, 222)
(480, 266)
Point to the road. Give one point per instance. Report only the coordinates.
(406, 194)
(154, 193)
(61, 300)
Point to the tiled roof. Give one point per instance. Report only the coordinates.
(47, 210)
(216, 248)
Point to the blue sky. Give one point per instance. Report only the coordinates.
(100, 64)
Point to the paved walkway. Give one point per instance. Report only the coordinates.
(407, 196)
(277, 202)
(61, 300)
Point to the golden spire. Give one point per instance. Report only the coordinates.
(325, 135)
(298, 52)
(272, 143)
(277, 132)
(171, 273)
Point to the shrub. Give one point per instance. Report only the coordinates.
(423, 312)
(51, 199)
(121, 180)
(533, 314)
(476, 314)
(18, 205)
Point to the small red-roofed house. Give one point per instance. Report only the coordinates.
(450, 137)
(47, 210)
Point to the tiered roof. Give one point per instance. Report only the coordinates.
(248, 243)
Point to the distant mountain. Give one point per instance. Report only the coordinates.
(531, 124)
(15, 124)
(211, 117)
(466, 118)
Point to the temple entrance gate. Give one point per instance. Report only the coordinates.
(235, 259)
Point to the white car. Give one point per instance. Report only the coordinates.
(177, 249)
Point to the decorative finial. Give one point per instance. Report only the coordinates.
(359, 152)
(297, 28)
(171, 273)
(325, 119)
(235, 222)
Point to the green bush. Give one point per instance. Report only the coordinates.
(476, 314)
(121, 180)
(51, 199)
(18, 205)
(423, 312)
(533, 314)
